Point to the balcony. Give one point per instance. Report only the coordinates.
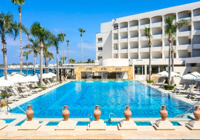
(196, 18)
(124, 29)
(144, 25)
(124, 51)
(115, 41)
(134, 50)
(184, 33)
(133, 28)
(186, 17)
(185, 47)
(115, 31)
(196, 32)
(124, 40)
(115, 51)
(157, 24)
(133, 39)
(196, 46)
(143, 38)
(156, 49)
(157, 36)
(145, 49)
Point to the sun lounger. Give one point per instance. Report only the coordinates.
(159, 83)
(48, 86)
(21, 92)
(34, 89)
(179, 88)
(51, 83)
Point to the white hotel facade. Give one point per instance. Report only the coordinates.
(122, 41)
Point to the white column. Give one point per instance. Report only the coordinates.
(128, 41)
(192, 31)
(139, 36)
(177, 43)
(163, 36)
(119, 37)
(145, 71)
(151, 33)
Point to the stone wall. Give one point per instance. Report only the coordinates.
(78, 70)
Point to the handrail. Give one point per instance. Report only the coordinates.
(90, 116)
(20, 108)
(109, 120)
(6, 103)
(188, 110)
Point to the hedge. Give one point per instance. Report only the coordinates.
(149, 81)
(169, 87)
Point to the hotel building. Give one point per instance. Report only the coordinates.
(122, 41)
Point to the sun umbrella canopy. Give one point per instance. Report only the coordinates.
(18, 80)
(165, 74)
(31, 78)
(51, 74)
(191, 76)
(6, 83)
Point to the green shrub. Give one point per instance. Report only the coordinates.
(41, 87)
(149, 81)
(60, 82)
(169, 87)
(4, 95)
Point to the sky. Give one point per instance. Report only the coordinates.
(67, 16)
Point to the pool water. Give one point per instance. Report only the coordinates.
(112, 96)
(8, 120)
(52, 123)
(176, 124)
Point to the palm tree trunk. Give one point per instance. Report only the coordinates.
(26, 66)
(81, 50)
(5, 60)
(169, 65)
(61, 52)
(68, 52)
(41, 62)
(21, 53)
(150, 62)
(34, 64)
(173, 64)
(64, 52)
(57, 66)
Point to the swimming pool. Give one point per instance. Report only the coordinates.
(112, 96)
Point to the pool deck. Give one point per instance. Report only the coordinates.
(80, 132)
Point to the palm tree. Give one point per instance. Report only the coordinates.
(81, 32)
(149, 36)
(68, 50)
(55, 42)
(33, 48)
(62, 38)
(72, 61)
(26, 54)
(7, 27)
(42, 35)
(170, 30)
(89, 61)
(20, 3)
(63, 59)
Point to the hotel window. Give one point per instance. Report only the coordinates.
(118, 68)
(88, 68)
(100, 48)
(103, 68)
(100, 39)
(100, 57)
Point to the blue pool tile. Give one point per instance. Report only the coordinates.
(52, 123)
(175, 123)
(8, 120)
(143, 123)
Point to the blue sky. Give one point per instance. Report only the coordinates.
(66, 16)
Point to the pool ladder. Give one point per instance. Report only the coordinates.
(109, 120)
(181, 115)
(90, 116)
